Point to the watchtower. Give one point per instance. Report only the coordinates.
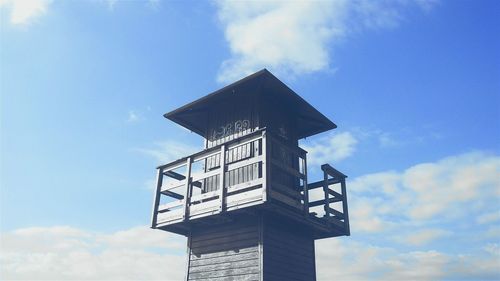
(244, 201)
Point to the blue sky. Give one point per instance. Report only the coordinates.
(413, 86)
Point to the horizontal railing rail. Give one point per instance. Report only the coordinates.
(332, 216)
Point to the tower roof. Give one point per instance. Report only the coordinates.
(266, 88)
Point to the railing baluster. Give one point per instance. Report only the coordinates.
(156, 201)
(222, 168)
(187, 194)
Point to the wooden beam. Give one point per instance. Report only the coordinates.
(178, 176)
(332, 171)
(173, 194)
(335, 212)
(156, 200)
(322, 202)
(335, 193)
(187, 193)
(345, 209)
(318, 184)
(306, 187)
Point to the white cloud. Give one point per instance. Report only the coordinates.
(168, 151)
(451, 189)
(294, 37)
(25, 11)
(66, 253)
(424, 236)
(488, 217)
(347, 259)
(332, 148)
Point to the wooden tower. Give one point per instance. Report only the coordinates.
(244, 201)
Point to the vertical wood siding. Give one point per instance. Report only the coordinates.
(288, 254)
(225, 253)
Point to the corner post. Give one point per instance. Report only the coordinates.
(156, 202)
(266, 165)
(306, 189)
(222, 180)
(325, 190)
(187, 193)
(345, 210)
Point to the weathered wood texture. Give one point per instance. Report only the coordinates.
(288, 254)
(265, 249)
(229, 252)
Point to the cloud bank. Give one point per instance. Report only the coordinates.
(297, 37)
(432, 221)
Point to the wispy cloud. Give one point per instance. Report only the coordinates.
(295, 37)
(23, 12)
(167, 151)
(331, 148)
(67, 253)
(346, 259)
(133, 116)
(450, 189)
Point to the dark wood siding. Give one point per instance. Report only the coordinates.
(288, 254)
(235, 176)
(229, 252)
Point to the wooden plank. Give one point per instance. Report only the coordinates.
(234, 252)
(322, 201)
(253, 262)
(187, 193)
(217, 273)
(156, 199)
(287, 169)
(318, 184)
(204, 196)
(173, 194)
(243, 163)
(336, 222)
(204, 175)
(225, 233)
(332, 171)
(244, 277)
(245, 185)
(287, 191)
(334, 193)
(244, 197)
(285, 199)
(225, 239)
(166, 207)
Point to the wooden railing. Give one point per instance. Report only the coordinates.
(332, 216)
(243, 172)
(222, 178)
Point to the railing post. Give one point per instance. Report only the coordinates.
(222, 178)
(187, 194)
(325, 190)
(344, 206)
(266, 165)
(306, 190)
(156, 201)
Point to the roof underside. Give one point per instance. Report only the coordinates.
(269, 89)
